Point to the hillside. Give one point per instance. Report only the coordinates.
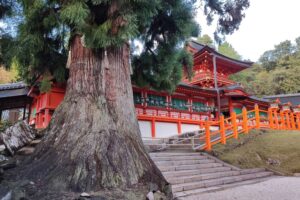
(277, 72)
(277, 150)
(7, 76)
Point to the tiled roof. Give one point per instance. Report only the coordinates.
(11, 86)
(13, 90)
(285, 98)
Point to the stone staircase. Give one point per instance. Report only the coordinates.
(191, 173)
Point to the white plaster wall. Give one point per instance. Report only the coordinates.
(189, 128)
(164, 130)
(145, 127)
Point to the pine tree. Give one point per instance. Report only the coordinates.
(93, 141)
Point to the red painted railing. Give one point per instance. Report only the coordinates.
(237, 124)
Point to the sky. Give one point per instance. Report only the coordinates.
(267, 23)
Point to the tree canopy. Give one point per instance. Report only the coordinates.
(160, 26)
(227, 49)
(206, 40)
(277, 71)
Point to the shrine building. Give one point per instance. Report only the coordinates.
(206, 96)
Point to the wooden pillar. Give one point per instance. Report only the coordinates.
(276, 119)
(271, 120)
(293, 124)
(179, 127)
(257, 118)
(153, 131)
(230, 105)
(145, 97)
(234, 125)
(207, 137)
(217, 117)
(288, 122)
(282, 121)
(222, 129)
(298, 123)
(245, 120)
(47, 118)
(190, 102)
(24, 112)
(29, 112)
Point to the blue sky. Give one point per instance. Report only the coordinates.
(267, 23)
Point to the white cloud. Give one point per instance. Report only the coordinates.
(267, 23)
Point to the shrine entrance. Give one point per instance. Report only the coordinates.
(14, 102)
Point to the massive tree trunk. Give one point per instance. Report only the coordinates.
(93, 141)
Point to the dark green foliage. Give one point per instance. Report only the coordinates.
(281, 52)
(230, 14)
(6, 8)
(45, 85)
(6, 49)
(161, 26)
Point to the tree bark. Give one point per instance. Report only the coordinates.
(93, 141)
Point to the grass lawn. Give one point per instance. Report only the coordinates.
(277, 150)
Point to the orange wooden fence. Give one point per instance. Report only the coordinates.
(284, 119)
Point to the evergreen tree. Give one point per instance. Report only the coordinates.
(206, 40)
(276, 73)
(93, 141)
(227, 49)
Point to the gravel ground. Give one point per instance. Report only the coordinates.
(277, 188)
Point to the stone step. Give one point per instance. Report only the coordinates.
(254, 170)
(201, 177)
(218, 181)
(189, 167)
(190, 193)
(171, 174)
(175, 150)
(183, 162)
(176, 158)
(173, 154)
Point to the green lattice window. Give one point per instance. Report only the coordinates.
(137, 97)
(179, 104)
(198, 107)
(201, 107)
(237, 110)
(156, 100)
(263, 114)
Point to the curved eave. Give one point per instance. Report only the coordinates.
(225, 59)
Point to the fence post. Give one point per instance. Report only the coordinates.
(222, 129)
(153, 131)
(293, 124)
(245, 120)
(282, 121)
(288, 122)
(298, 117)
(257, 119)
(271, 120)
(207, 137)
(234, 125)
(179, 127)
(276, 119)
